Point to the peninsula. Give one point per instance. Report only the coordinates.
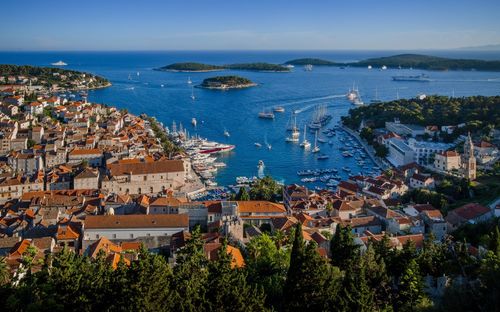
(200, 67)
(226, 82)
(416, 61)
(56, 79)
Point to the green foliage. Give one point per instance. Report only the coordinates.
(227, 81)
(423, 196)
(367, 134)
(343, 249)
(429, 62)
(266, 189)
(410, 288)
(168, 146)
(242, 194)
(311, 61)
(380, 150)
(190, 66)
(259, 67)
(476, 112)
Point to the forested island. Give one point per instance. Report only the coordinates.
(416, 61)
(200, 67)
(311, 61)
(50, 77)
(419, 61)
(268, 67)
(226, 82)
(478, 113)
(190, 67)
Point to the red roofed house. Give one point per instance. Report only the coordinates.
(421, 181)
(469, 213)
(447, 161)
(93, 156)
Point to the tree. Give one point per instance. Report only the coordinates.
(494, 244)
(242, 194)
(227, 289)
(266, 189)
(190, 274)
(377, 278)
(410, 288)
(308, 277)
(381, 150)
(267, 264)
(4, 272)
(343, 249)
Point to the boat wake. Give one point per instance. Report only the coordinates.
(309, 100)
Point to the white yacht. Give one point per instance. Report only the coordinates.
(305, 143)
(189, 80)
(226, 133)
(60, 63)
(295, 133)
(194, 122)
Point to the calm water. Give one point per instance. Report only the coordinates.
(237, 110)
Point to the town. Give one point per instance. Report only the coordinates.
(103, 183)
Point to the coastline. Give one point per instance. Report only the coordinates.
(189, 71)
(222, 88)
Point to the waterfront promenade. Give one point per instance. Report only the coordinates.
(369, 149)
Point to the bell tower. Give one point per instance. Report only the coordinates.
(469, 160)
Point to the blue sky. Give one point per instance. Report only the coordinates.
(248, 24)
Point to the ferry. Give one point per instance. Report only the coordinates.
(60, 63)
(266, 115)
(279, 109)
(419, 78)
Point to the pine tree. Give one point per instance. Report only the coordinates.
(227, 289)
(243, 194)
(410, 288)
(191, 275)
(356, 294)
(377, 277)
(343, 249)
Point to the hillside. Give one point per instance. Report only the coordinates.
(311, 61)
(190, 67)
(419, 61)
(260, 66)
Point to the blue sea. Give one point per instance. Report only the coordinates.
(237, 110)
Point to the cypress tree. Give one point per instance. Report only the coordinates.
(343, 249)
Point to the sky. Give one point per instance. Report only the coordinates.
(248, 24)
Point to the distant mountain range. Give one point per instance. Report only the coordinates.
(489, 47)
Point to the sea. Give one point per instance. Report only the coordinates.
(138, 88)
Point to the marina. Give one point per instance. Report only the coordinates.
(237, 110)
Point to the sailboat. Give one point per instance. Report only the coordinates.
(376, 99)
(189, 80)
(295, 133)
(316, 148)
(226, 133)
(305, 143)
(192, 94)
(194, 122)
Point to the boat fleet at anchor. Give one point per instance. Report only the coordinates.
(202, 152)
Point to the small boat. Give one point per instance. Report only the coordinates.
(189, 80)
(59, 63)
(308, 67)
(257, 144)
(369, 67)
(226, 133)
(279, 109)
(384, 67)
(305, 143)
(269, 146)
(323, 157)
(194, 122)
(138, 73)
(162, 85)
(346, 169)
(266, 115)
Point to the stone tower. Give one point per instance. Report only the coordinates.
(469, 161)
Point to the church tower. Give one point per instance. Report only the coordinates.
(469, 161)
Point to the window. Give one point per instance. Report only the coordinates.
(97, 236)
(114, 235)
(148, 234)
(145, 178)
(131, 235)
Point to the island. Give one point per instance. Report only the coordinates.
(200, 67)
(226, 82)
(428, 62)
(49, 78)
(260, 66)
(311, 61)
(190, 67)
